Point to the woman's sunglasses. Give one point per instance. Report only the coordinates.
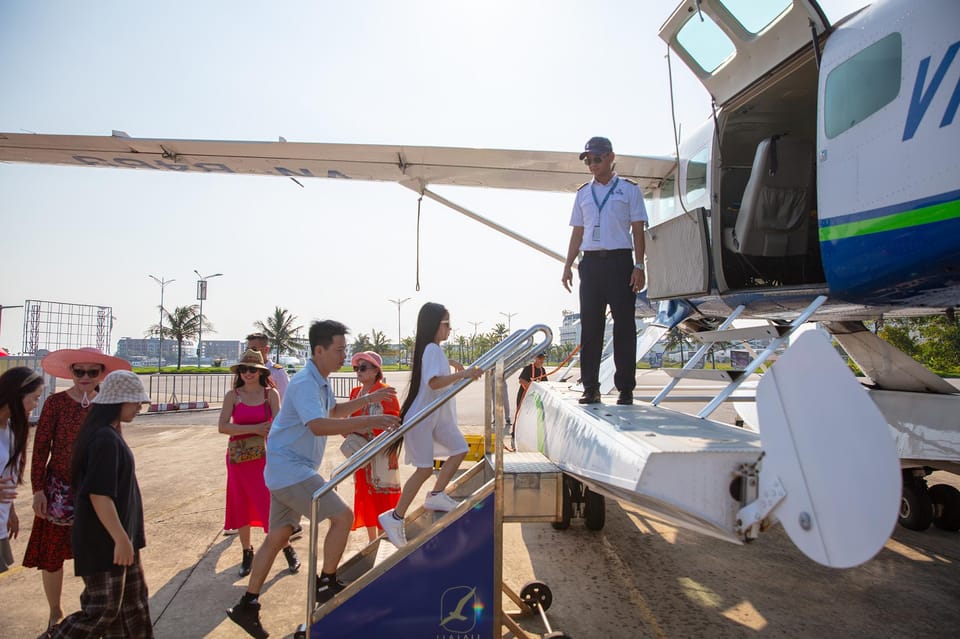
(247, 369)
(362, 368)
(92, 373)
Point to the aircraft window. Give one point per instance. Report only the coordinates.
(705, 42)
(756, 15)
(862, 85)
(663, 205)
(696, 183)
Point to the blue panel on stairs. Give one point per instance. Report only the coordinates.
(442, 590)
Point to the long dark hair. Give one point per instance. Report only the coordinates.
(428, 323)
(100, 416)
(15, 384)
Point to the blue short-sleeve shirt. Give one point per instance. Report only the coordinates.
(294, 453)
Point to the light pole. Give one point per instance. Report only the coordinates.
(509, 317)
(473, 340)
(398, 302)
(163, 283)
(202, 295)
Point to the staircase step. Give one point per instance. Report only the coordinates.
(767, 331)
(711, 374)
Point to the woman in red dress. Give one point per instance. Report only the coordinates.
(376, 486)
(60, 421)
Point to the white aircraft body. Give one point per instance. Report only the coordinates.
(825, 188)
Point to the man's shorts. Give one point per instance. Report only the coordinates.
(289, 503)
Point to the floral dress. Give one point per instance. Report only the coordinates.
(60, 421)
(368, 500)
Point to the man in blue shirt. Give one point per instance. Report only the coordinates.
(295, 446)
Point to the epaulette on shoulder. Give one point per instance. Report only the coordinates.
(582, 185)
(631, 182)
(278, 366)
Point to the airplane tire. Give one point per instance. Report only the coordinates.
(946, 507)
(556, 634)
(595, 510)
(566, 508)
(916, 507)
(536, 595)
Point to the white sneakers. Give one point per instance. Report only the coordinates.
(440, 501)
(394, 528)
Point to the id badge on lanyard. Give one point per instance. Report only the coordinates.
(600, 205)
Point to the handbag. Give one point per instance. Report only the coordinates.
(59, 501)
(383, 472)
(247, 449)
(352, 442)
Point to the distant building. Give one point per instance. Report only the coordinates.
(228, 350)
(570, 329)
(135, 349)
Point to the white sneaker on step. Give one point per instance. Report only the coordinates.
(394, 528)
(440, 501)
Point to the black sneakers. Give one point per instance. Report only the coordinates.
(247, 616)
(247, 562)
(327, 588)
(293, 562)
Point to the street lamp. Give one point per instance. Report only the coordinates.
(202, 295)
(163, 283)
(398, 302)
(509, 317)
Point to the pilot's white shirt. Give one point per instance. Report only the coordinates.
(624, 207)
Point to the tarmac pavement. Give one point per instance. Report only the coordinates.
(638, 577)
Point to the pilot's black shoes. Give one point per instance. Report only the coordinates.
(590, 397)
(247, 615)
(625, 398)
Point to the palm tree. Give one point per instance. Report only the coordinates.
(281, 333)
(379, 342)
(182, 324)
(499, 333)
(361, 343)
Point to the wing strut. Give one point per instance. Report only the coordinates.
(423, 191)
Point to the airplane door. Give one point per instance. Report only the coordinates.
(729, 44)
(677, 262)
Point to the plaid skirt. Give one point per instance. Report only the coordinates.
(113, 605)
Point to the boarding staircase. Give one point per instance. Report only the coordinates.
(777, 334)
(447, 581)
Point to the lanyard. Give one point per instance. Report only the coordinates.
(606, 197)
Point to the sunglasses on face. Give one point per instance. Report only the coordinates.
(247, 369)
(80, 373)
(593, 159)
(362, 368)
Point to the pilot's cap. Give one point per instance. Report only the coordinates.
(597, 146)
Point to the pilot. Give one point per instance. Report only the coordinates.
(261, 343)
(607, 221)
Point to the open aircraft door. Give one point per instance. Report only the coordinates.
(678, 262)
(730, 44)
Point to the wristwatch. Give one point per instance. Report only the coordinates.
(639, 267)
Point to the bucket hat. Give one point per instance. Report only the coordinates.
(120, 387)
(250, 358)
(58, 363)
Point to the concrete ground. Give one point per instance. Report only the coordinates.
(638, 577)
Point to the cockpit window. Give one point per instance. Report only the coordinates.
(706, 43)
(756, 15)
(862, 85)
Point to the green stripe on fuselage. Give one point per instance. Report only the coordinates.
(904, 219)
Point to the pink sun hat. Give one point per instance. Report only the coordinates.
(367, 356)
(58, 363)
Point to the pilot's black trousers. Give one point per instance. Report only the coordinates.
(605, 280)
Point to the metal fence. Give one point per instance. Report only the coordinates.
(210, 388)
(49, 381)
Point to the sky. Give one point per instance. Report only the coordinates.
(532, 75)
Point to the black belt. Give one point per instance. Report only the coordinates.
(610, 253)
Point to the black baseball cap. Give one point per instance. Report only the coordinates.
(597, 146)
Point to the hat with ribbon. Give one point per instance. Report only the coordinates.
(59, 363)
(367, 356)
(250, 358)
(121, 387)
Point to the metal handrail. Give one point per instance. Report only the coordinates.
(517, 347)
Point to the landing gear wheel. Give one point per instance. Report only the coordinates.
(595, 510)
(536, 595)
(557, 634)
(916, 507)
(567, 490)
(946, 506)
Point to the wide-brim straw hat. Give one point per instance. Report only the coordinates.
(121, 387)
(58, 363)
(250, 358)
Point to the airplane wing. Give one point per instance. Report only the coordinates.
(412, 166)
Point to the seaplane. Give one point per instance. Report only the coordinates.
(822, 189)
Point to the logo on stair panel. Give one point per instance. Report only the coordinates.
(459, 610)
